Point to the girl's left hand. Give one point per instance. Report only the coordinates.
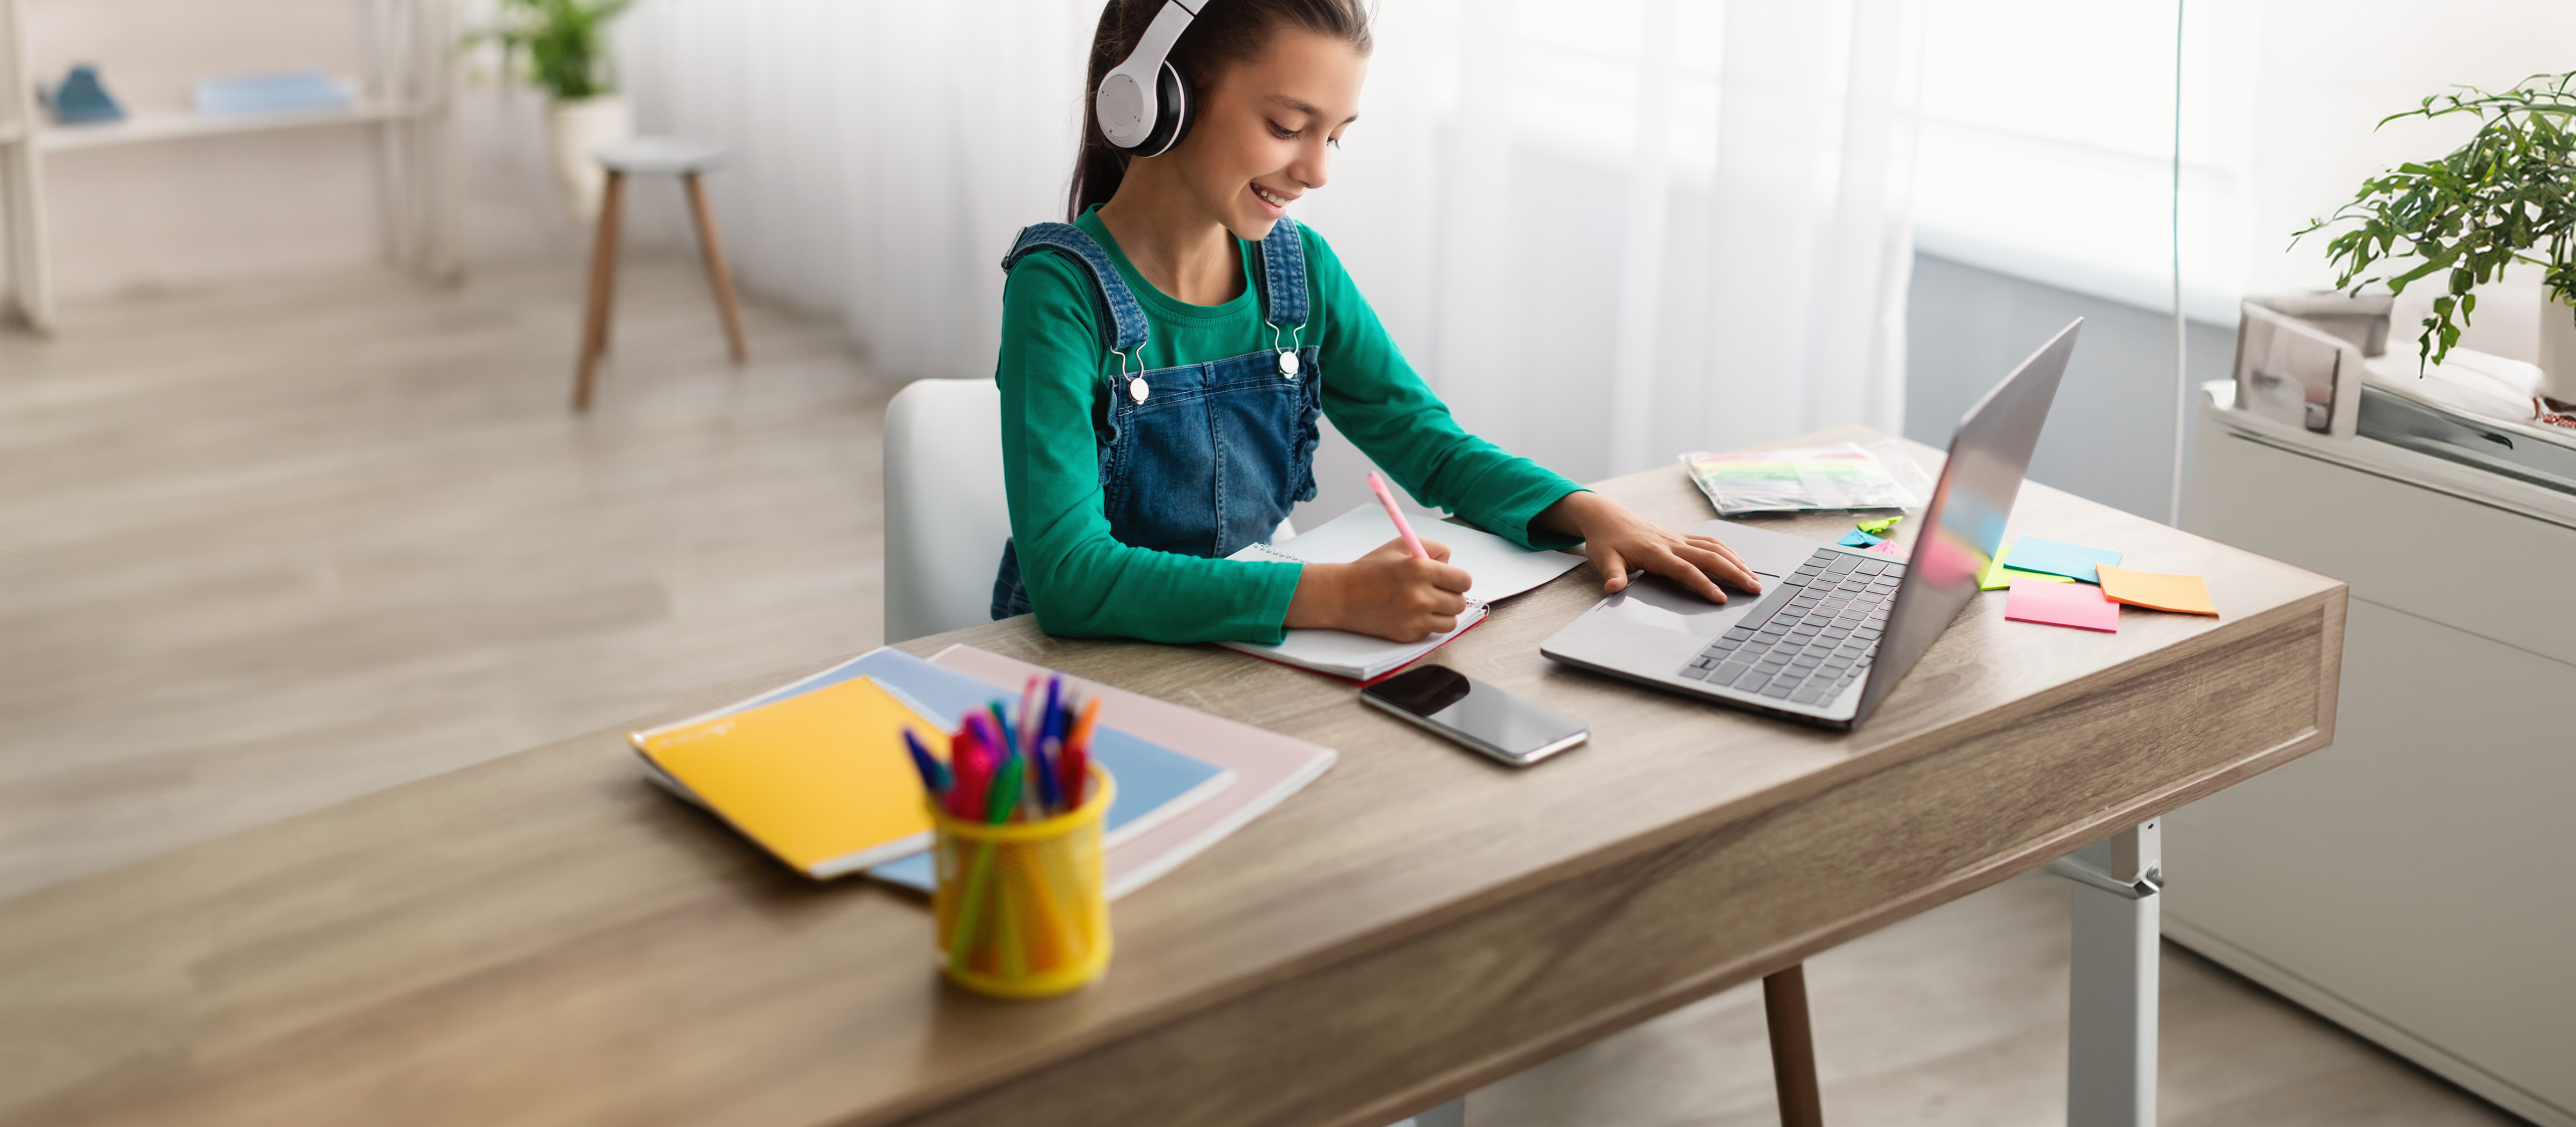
(1619, 541)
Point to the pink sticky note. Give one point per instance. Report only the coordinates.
(2080, 605)
(1888, 548)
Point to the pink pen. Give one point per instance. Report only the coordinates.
(1397, 515)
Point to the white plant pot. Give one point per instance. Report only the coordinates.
(2557, 350)
(573, 130)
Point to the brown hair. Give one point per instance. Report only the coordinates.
(1225, 33)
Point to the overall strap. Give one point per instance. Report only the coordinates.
(1283, 276)
(1118, 309)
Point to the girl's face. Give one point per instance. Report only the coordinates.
(1268, 129)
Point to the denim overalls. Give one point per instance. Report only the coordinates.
(1200, 459)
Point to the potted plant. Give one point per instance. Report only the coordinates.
(2507, 196)
(567, 58)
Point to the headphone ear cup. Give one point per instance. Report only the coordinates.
(1172, 113)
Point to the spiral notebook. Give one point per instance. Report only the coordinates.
(1501, 569)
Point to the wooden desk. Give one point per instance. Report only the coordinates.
(545, 939)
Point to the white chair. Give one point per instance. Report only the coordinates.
(946, 515)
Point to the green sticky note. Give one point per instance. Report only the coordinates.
(1880, 527)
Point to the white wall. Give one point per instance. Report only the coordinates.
(2049, 136)
(511, 209)
(2046, 180)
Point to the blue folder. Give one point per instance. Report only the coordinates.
(289, 92)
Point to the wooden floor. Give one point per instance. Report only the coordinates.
(1958, 1016)
(271, 547)
(265, 549)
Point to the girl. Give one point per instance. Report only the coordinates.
(1166, 354)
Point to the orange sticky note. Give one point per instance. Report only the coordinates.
(2184, 593)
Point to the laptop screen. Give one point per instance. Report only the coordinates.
(1964, 525)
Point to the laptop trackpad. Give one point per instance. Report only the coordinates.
(1652, 600)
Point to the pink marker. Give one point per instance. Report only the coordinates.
(1397, 515)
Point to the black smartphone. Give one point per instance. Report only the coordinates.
(1476, 714)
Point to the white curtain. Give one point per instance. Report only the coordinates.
(1608, 232)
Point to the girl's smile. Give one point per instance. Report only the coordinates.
(1274, 202)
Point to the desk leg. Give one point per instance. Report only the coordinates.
(2111, 1010)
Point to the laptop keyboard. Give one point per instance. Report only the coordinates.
(1817, 641)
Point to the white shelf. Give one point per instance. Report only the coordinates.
(406, 57)
(145, 127)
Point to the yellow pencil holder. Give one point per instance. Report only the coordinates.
(1022, 908)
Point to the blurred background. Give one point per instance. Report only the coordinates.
(293, 506)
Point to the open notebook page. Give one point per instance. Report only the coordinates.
(1357, 657)
(1501, 568)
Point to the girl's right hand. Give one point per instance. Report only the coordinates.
(1387, 592)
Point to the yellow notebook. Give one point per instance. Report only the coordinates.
(821, 780)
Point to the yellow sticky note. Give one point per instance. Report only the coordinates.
(2183, 593)
(1996, 577)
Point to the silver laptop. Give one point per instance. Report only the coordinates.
(1835, 628)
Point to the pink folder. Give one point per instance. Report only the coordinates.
(1267, 766)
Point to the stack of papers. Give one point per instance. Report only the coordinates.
(1169, 806)
(1842, 476)
(815, 773)
(1500, 568)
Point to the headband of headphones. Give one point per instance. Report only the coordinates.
(1142, 104)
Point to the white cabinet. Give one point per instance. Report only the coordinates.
(2415, 882)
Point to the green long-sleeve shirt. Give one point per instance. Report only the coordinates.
(1082, 580)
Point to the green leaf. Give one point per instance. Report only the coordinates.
(2507, 195)
(562, 41)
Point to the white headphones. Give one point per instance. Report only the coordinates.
(1143, 105)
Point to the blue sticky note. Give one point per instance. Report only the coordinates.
(1859, 539)
(2073, 561)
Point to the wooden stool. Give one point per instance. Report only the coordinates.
(651, 155)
